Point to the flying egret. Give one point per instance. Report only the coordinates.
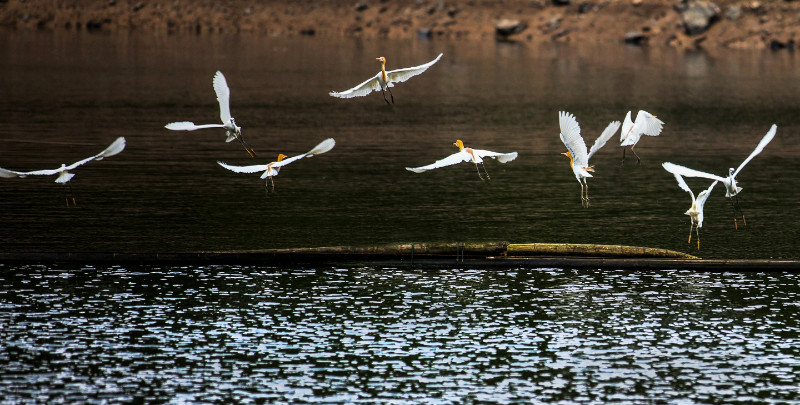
(271, 169)
(64, 176)
(232, 130)
(695, 213)
(576, 149)
(645, 124)
(384, 80)
(732, 190)
(467, 155)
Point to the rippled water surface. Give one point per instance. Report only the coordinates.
(68, 95)
(269, 335)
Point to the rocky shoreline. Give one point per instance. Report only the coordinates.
(752, 24)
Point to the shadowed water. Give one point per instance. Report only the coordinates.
(268, 335)
(67, 96)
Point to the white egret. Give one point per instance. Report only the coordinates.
(576, 149)
(271, 169)
(695, 213)
(645, 124)
(384, 80)
(64, 176)
(232, 130)
(732, 190)
(465, 154)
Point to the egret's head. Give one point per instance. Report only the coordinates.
(281, 156)
(730, 171)
(381, 60)
(459, 144)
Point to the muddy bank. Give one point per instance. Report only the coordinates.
(697, 23)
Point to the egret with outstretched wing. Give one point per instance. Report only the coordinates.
(232, 130)
(63, 172)
(465, 154)
(632, 131)
(384, 80)
(576, 149)
(695, 213)
(273, 168)
(732, 190)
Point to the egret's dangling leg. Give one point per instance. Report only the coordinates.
(390, 93)
(638, 161)
(484, 170)
(247, 147)
(744, 222)
(479, 171)
(384, 96)
(623, 154)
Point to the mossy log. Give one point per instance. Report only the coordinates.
(402, 249)
(591, 250)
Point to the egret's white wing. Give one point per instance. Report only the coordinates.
(189, 126)
(571, 137)
(501, 157)
(648, 124)
(610, 130)
(703, 196)
(458, 157)
(223, 97)
(45, 172)
(701, 201)
(323, 147)
(682, 184)
(10, 173)
(401, 75)
(764, 141)
(685, 171)
(368, 86)
(244, 169)
(627, 126)
(116, 147)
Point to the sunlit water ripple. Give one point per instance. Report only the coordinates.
(254, 334)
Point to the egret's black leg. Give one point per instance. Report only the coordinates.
(638, 161)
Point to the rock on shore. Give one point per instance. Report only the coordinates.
(771, 24)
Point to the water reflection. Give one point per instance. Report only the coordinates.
(274, 335)
(166, 193)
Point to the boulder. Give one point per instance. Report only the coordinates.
(508, 26)
(698, 15)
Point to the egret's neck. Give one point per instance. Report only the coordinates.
(571, 161)
(383, 71)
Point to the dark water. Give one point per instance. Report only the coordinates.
(260, 334)
(267, 335)
(67, 96)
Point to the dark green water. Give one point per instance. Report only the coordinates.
(67, 96)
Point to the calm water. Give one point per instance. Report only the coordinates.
(67, 96)
(250, 335)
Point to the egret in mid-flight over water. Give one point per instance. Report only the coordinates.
(384, 80)
(645, 124)
(732, 190)
(64, 176)
(576, 149)
(271, 169)
(232, 130)
(465, 154)
(695, 213)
